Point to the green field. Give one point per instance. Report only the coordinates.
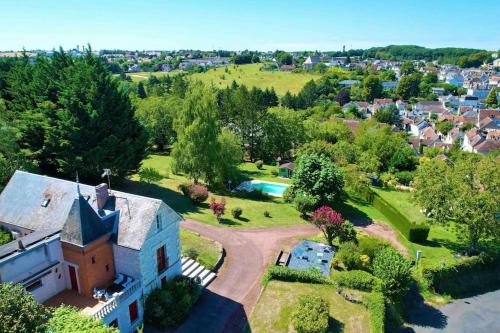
(279, 299)
(208, 251)
(251, 76)
(139, 76)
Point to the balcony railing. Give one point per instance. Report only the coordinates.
(113, 303)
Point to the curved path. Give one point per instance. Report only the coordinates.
(228, 300)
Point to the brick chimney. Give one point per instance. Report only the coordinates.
(101, 193)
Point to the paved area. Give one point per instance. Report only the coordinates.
(226, 305)
(478, 314)
(381, 230)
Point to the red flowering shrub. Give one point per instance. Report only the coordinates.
(198, 193)
(331, 224)
(218, 208)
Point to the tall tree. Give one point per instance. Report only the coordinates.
(409, 86)
(72, 115)
(196, 150)
(372, 88)
(141, 92)
(492, 100)
(466, 192)
(20, 312)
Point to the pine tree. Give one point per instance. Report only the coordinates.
(492, 100)
(141, 92)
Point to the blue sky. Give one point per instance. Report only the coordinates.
(247, 24)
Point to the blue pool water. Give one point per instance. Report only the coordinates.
(274, 189)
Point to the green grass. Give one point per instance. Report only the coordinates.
(278, 300)
(140, 76)
(251, 76)
(208, 251)
(403, 202)
(281, 213)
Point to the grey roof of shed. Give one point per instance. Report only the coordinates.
(21, 205)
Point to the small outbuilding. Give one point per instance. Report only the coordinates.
(286, 170)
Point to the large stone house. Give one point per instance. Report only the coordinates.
(99, 250)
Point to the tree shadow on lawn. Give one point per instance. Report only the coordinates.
(353, 214)
(335, 326)
(174, 199)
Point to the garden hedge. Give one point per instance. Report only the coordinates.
(414, 232)
(357, 279)
(311, 315)
(468, 275)
(375, 302)
(282, 273)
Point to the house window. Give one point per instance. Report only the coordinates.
(93, 259)
(158, 223)
(34, 285)
(161, 259)
(107, 268)
(132, 310)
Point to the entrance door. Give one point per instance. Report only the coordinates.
(72, 277)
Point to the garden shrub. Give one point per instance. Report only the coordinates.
(170, 305)
(184, 188)
(414, 232)
(350, 256)
(267, 214)
(405, 177)
(357, 279)
(371, 245)
(288, 195)
(375, 302)
(66, 319)
(468, 275)
(394, 270)
(274, 172)
(259, 164)
(198, 193)
(311, 315)
(286, 274)
(236, 212)
(5, 236)
(191, 253)
(304, 203)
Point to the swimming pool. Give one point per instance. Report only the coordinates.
(270, 188)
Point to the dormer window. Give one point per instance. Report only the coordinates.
(45, 202)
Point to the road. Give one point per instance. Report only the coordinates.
(229, 299)
(478, 314)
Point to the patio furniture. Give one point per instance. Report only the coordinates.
(98, 293)
(119, 279)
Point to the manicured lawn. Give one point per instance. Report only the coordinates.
(208, 251)
(277, 302)
(281, 213)
(251, 76)
(403, 202)
(140, 76)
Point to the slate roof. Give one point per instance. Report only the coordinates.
(21, 205)
(83, 225)
(28, 240)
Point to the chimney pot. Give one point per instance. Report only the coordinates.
(101, 193)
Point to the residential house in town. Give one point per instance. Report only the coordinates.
(426, 108)
(348, 83)
(311, 61)
(99, 250)
(380, 103)
(363, 107)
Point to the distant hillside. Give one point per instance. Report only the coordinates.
(412, 52)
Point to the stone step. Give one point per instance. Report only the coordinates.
(187, 264)
(204, 274)
(196, 272)
(190, 269)
(208, 279)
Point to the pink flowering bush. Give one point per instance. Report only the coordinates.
(218, 208)
(332, 224)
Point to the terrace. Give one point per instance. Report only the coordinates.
(98, 307)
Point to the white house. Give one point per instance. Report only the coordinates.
(86, 246)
